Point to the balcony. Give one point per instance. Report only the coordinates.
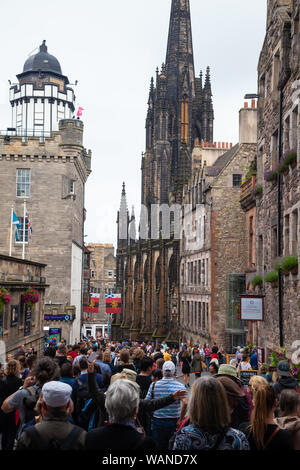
(247, 198)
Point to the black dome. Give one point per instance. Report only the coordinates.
(42, 61)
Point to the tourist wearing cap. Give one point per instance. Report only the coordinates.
(145, 406)
(165, 420)
(285, 379)
(234, 393)
(55, 431)
(241, 413)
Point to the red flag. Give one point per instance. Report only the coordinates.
(113, 303)
(79, 112)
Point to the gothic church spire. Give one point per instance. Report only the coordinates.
(180, 46)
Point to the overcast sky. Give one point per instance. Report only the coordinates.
(112, 47)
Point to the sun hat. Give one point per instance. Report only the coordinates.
(56, 394)
(283, 368)
(231, 387)
(230, 371)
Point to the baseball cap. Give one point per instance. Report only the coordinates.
(283, 368)
(56, 394)
(169, 366)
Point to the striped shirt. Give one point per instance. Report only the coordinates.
(163, 388)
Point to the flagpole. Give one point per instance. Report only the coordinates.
(11, 224)
(24, 229)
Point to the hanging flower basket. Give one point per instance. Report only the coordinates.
(290, 264)
(4, 298)
(31, 297)
(257, 281)
(271, 176)
(258, 191)
(272, 278)
(288, 158)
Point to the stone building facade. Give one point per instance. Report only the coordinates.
(20, 324)
(180, 115)
(102, 280)
(278, 133)
(49, 173)
(213, 250)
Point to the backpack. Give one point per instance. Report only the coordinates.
(30, 402)
(89, 415)
(38, 442)
(82, 396)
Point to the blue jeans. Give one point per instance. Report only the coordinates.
(207, 361)
(162, 431)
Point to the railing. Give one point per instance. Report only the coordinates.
(16, 132)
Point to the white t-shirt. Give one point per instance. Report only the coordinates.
(245, 366)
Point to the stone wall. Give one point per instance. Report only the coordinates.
(56, 212)
(279, 63)
(17, 276)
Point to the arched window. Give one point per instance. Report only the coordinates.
(184, 119)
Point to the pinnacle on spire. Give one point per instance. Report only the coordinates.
(43, 47)
(123, 189)
(208, 72)
(152, 85)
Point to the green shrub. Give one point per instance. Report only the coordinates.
(258, 190)
(257, 280)
(271, 277)
(252, 170)
(290, 157)
(289, 263)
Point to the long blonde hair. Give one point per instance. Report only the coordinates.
(255, 383)
(265, 400)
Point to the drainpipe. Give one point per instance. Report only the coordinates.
(279, 234)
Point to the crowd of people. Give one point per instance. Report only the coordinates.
(99, 395)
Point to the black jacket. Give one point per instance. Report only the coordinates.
(145, 406)
(118, 437)
(8, 386)
(285, 383)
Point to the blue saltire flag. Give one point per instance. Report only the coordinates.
(17, 224)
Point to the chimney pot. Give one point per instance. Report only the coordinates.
(245, 104)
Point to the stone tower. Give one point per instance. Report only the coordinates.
(48, 169)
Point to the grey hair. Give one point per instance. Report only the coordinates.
(122, 399)
(168, 373)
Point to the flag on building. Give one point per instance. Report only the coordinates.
(93, 307)
(29, 227)
(79, 112)
(15, 221)
(113, 303)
